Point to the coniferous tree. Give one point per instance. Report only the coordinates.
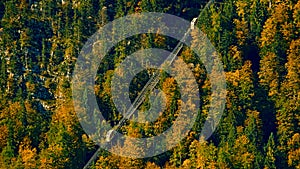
(270, 153)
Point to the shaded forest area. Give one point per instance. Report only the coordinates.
(258, 42)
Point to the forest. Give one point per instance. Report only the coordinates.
(258, 42)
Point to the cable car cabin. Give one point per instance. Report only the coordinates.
(109, 135)
(194, 21)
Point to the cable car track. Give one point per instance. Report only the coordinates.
(150, 85)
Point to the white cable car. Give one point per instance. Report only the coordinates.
(109, 135)
(193, 23)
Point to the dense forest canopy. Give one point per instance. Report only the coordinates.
(257, 40)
